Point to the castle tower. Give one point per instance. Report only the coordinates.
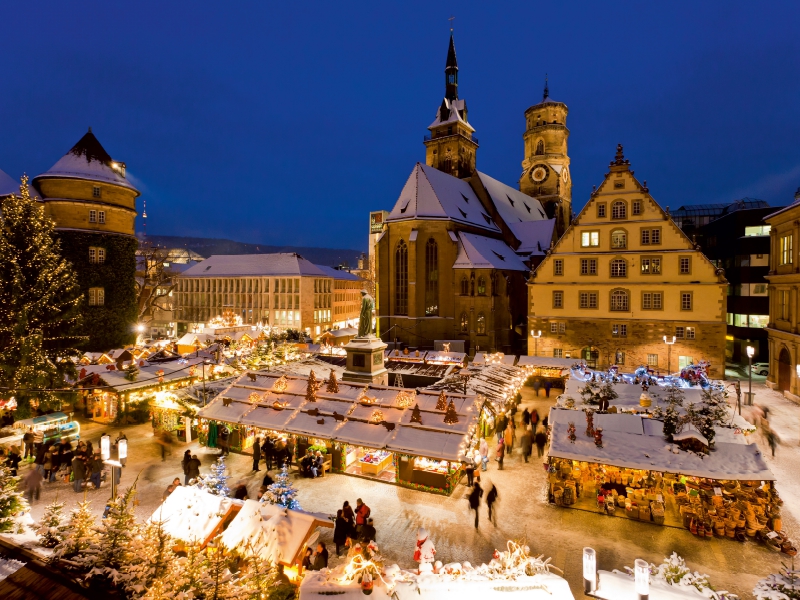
(93, 205)
(545, 169)
(451, 147)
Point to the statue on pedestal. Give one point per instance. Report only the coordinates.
(365, 318)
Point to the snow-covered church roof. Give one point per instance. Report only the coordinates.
(513, 205)
(451, 111)
(479, 252)
(89, 160)
(432, 194)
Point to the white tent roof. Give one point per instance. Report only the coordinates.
(190, 514)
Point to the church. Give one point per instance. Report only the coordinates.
(456, 249)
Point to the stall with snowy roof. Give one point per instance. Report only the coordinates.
(627, 465)
(396, 435)
(191, 515)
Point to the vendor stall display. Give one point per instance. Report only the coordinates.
(372, 463)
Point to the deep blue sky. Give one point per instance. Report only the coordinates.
(288, 122)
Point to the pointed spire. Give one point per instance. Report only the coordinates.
(546, 94)
(451, 72)
(619, 158)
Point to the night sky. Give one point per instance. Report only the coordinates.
(286, 123)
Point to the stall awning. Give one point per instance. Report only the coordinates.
(623, 447)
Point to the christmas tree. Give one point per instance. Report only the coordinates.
(80, 536)
(313, 386)
(219, 583)
(441, 403)
(131, 371)
(259, 576)
(416, 416)
(450, 417)
(281, 492)
(153, 563)
(11, 500)
(333, 385)
(52, 529)
(39, 304)
(215, 482)
(113, 551)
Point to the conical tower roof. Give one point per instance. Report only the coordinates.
(451, 55)
(88, 160)
(7, 184)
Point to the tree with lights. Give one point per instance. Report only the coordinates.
(11, 500)
(81, 535)
(216, 482)
(153, 563)
(113, 550)
(39, 304)
(52, 530)
(333, 385)
(281, 492)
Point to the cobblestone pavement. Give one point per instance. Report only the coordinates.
(522, 509)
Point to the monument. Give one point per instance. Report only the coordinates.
(365, 351)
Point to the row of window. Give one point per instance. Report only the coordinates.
(756, 321)
(243, 285)
(619, 300)
(619, 209)
(97, 216)
(648, 236)
(322, 286)
(322, 316)
(480, 323)
(618, 267)
(620, 330)
(619, 358)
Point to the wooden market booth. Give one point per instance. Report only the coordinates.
(386, 433)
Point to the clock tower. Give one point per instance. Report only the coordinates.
(545, 169)
(450, 147)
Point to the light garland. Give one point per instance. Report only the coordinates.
(405, 399)
(280, 385)
(377, 416)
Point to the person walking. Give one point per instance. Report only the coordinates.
(547, 385)
(78, 472)
(13, 460)
(526, 444)
(193, 468)
(41, 450)
(96, 468)
(33, 485)
(526, 417)
(256, 453)
(500, 453)
(501, 424)
(187, 456)
(341, 531)
(534, 419)
(509, 436)
(474, 499)
(491, 499)
(47, 465)
(772, 438)
(27, 440)
(38, 441)
(469, 467)
(484, 450)
(541, 441)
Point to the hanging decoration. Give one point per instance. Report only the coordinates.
(416, 416)
(441, 403)
(450, 416)
(280, 385)
(446, 347)
(333, 385)
(405, 398)
(363, 398)
(376, 416)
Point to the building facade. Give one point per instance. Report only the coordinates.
(281, 290)
(346, 301)
(453, 254)
(622, 278)
(93, 206)
(784, 299)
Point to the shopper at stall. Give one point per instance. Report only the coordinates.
(27, 439)
(96, 469)
(38, 462)
(13, 460)
(362, 514)
(469, 467)
(320, 558)
(341, 531)
(307, 558)
(526, 443)
(268, 450)
(38, 440)
(500, 453)
(526, 417)
(510, 435)
(48, 462)
(256, 453)
(501, 423)
(491, 500)
(474, 499)
(534, 419)
(319, 465)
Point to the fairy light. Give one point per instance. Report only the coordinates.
(280, 385)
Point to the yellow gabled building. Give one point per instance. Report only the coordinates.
(621, 279)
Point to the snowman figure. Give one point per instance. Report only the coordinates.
(425, 551)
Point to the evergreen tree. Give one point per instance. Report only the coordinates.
(216, 482)
(333, 385)
(11, 500)
(312, 387)
(259, 577)
(114, 549)
(131, 371)
(281, 492)
(450, 417)
(39, 304)
(441, 402)
(152, 560)
(416, 415)
(81, 534)
(52, 530)
(219, 583)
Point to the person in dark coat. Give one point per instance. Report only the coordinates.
(541, 441)
(96, 468)
(320, 558)
(469, 467)
(500, 425)
(350, 517)
(527, 444)
(268, 481)
(491, 498)
(475, 500)
(526, 417)
(534, 419)
(307, 560)
(193, 468)
(187, 456)
(240, 492)
(341, 531)
(41, 450)
(256, 454)
(547, 385)
(78, 472)
(368, 532)
(13, 460)
(268, 450)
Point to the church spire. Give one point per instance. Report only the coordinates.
(546, 94)
(451, 72)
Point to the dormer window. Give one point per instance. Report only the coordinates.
(96, 191)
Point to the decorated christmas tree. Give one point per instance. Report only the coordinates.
(11, 500)
(416, 416)
(450, 417)
(131, 371)
(259, 575)
(153, 563)
(52, 530)
(114, 550)
(216, 482)
(333, 385)
(441, 403)
(39, 304)
(312, 387)
(81, 534)
(281, 492)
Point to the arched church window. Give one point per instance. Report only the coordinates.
(401, 279)
(539, 147)
(481, 324)
(464, 323)
(464, 286)
(431, 278)
(481, 286)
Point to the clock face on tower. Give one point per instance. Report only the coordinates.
(539, 173)
(565, 174)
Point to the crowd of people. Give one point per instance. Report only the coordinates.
(353, 526)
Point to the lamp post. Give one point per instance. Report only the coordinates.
(669, 353)
(140, 332)
(641, 573)
(750, 353)
(536, 335)
(589, 571)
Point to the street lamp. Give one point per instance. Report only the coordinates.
(589, 571)
(105, 447)
(669, 353)
(750, 353)
(536, 335)
(641, 573)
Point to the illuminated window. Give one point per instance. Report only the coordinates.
(97, 296)
(785, 255)
(464, 322)
(590, 238)
(651, 266)
(481, 286)
(690, 333)
(401, 279)
(652, 360)
(481, 324)
(757, 230)
(619, 239)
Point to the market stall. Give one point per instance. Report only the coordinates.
(391, 434)
(194, 516)
(622, 465)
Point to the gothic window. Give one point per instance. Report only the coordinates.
(481, 324)
(619, 210)
(481, 286)
(619, 268)
(400, 279)
(539, 148)
(431, 278)
(619, 300)
(619, 239)
(464, 323)
(464, 286)
(493, 279)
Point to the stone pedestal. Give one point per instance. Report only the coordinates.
(365, 361)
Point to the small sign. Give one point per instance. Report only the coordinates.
(772, 535)
(660, 498)
(717, 491)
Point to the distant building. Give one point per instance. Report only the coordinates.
(93, 205)
(692, 217)
(346, 299)
(784, 299)
(621, 279)
(283, 290)
(739, 242)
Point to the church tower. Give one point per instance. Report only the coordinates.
(451, 147)
(545, 169)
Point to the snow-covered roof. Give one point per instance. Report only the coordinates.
(626, 443)
(88, 160)
(190, 514)
(479, 252)
(535, 236)
(449, 112)
(7, 184)
(545, 361)
(254, 265)
(342, 417)
(689, 432)
(338, 273)
(115, 379)
(513, 205)
(431, 194)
